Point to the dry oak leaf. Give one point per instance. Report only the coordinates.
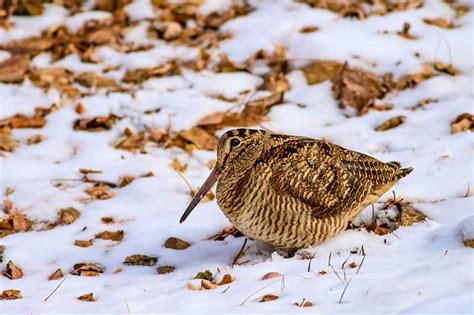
(111, 236)
(405, 32)
(411, 80)
(87, 269)
(58, 274)
(304, 303)
(50, 77)
(409, 215)
(463, 122)
(446, 68)
(353, 265)
(96, 123)
(176, 243)
(30, 46)
(197, 137)
(107, 220)
(68, 216)
(469, 243)
(14, 69)
(140, 260)
(440, 22)
(165, 269)
(391, 123)
(83, 243)
(208, 285)
(222, 279)
(132, 141)
(92, 79)
(357, 88)
(100, 192)
(140, 75)
(35, 139)
(10, 294)
(271, 275)
(12, 271)
(177, 166)
(88, 297)
(7, 143)
(21, 121)
(268, 297)
(321, 71)
(125, 180)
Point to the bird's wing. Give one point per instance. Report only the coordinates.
(324, 176)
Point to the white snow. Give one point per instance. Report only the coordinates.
(421, 269)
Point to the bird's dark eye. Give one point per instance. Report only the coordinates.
(234, 142)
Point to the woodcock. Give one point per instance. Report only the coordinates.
(293, 192)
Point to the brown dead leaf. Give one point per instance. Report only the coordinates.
(409, 215)
(321, 71)
(195, 138)
(469, 243)
(95, 124)
(176, 243)
(176, 165)
(14, 69)
(391, 123)
(322, 272)
(271, 275)
(19, 222)
(165, 269)
(376, 228)
(446, 68)
(86, 171)
(35, 139)
(88, 297)
(353, 265)
(80, 108)
(304, 303)
(225, 279)
(208, 285)
(412, 80)
(230, 230)
(68, 216)
(21, 121)
(50, 77)
(268, 297)
(87, 269)
(132, 141)
(111, 236)
(58, 274)
(405, 32)
(7, 143)
(12, 272)
(462, 123)
(140, 260)
(125, 180)
(83, 243)
(107, 220)
(10, 294)
(440, 22)
(357, 88)
(100, 192)
(30, 46)
(309, 29)
(140, 75)
(92, 79)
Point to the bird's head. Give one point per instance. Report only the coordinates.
(237, 151)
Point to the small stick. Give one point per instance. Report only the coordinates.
(329, 259)
(344, 291)
(342, 266)
(240, 253)
(55, 289)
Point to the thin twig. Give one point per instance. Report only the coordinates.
(344, 291)
(342, 266)
(128, 307)
(55, 289)
(361, 263)
(329, 259)
(225, 290)
(240, 253)
(246, 299)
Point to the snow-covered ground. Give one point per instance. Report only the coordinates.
(424, 268)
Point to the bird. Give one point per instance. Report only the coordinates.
(293, 192)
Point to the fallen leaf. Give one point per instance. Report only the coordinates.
(177, 166)
(176, 243)
(321, 71)
(225, 279)
(87, 269)
(95, 124)
(140, 260)
(353, 264)
(304, 303)
(92, 79)
(391, 123)
(58, 274)
(322, 272)
(125, 180)
(227, 231)
(268, 297)
(68, 216)
(88, 297)
(111, 236)
(10, 294)
(309, 29)
(21, 121)
(107, 220)
(118, 270)
(271, 275)
(208, 285)
(412, 80)
(440, 22)
(11, 271)
(35, 139)
(409, 215)
(469, 243)
(140, 75)
(80, 108)
(198, 138)
(30, 46)
(204, 275)
(165, 269)
(83, 243)
(7, 143)
(14, 69)
(463, 122)
(50, 77)
(446, 68)
(100, 192)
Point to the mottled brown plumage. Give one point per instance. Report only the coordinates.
(293, 192)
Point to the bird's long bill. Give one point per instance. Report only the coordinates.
(210, 181)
